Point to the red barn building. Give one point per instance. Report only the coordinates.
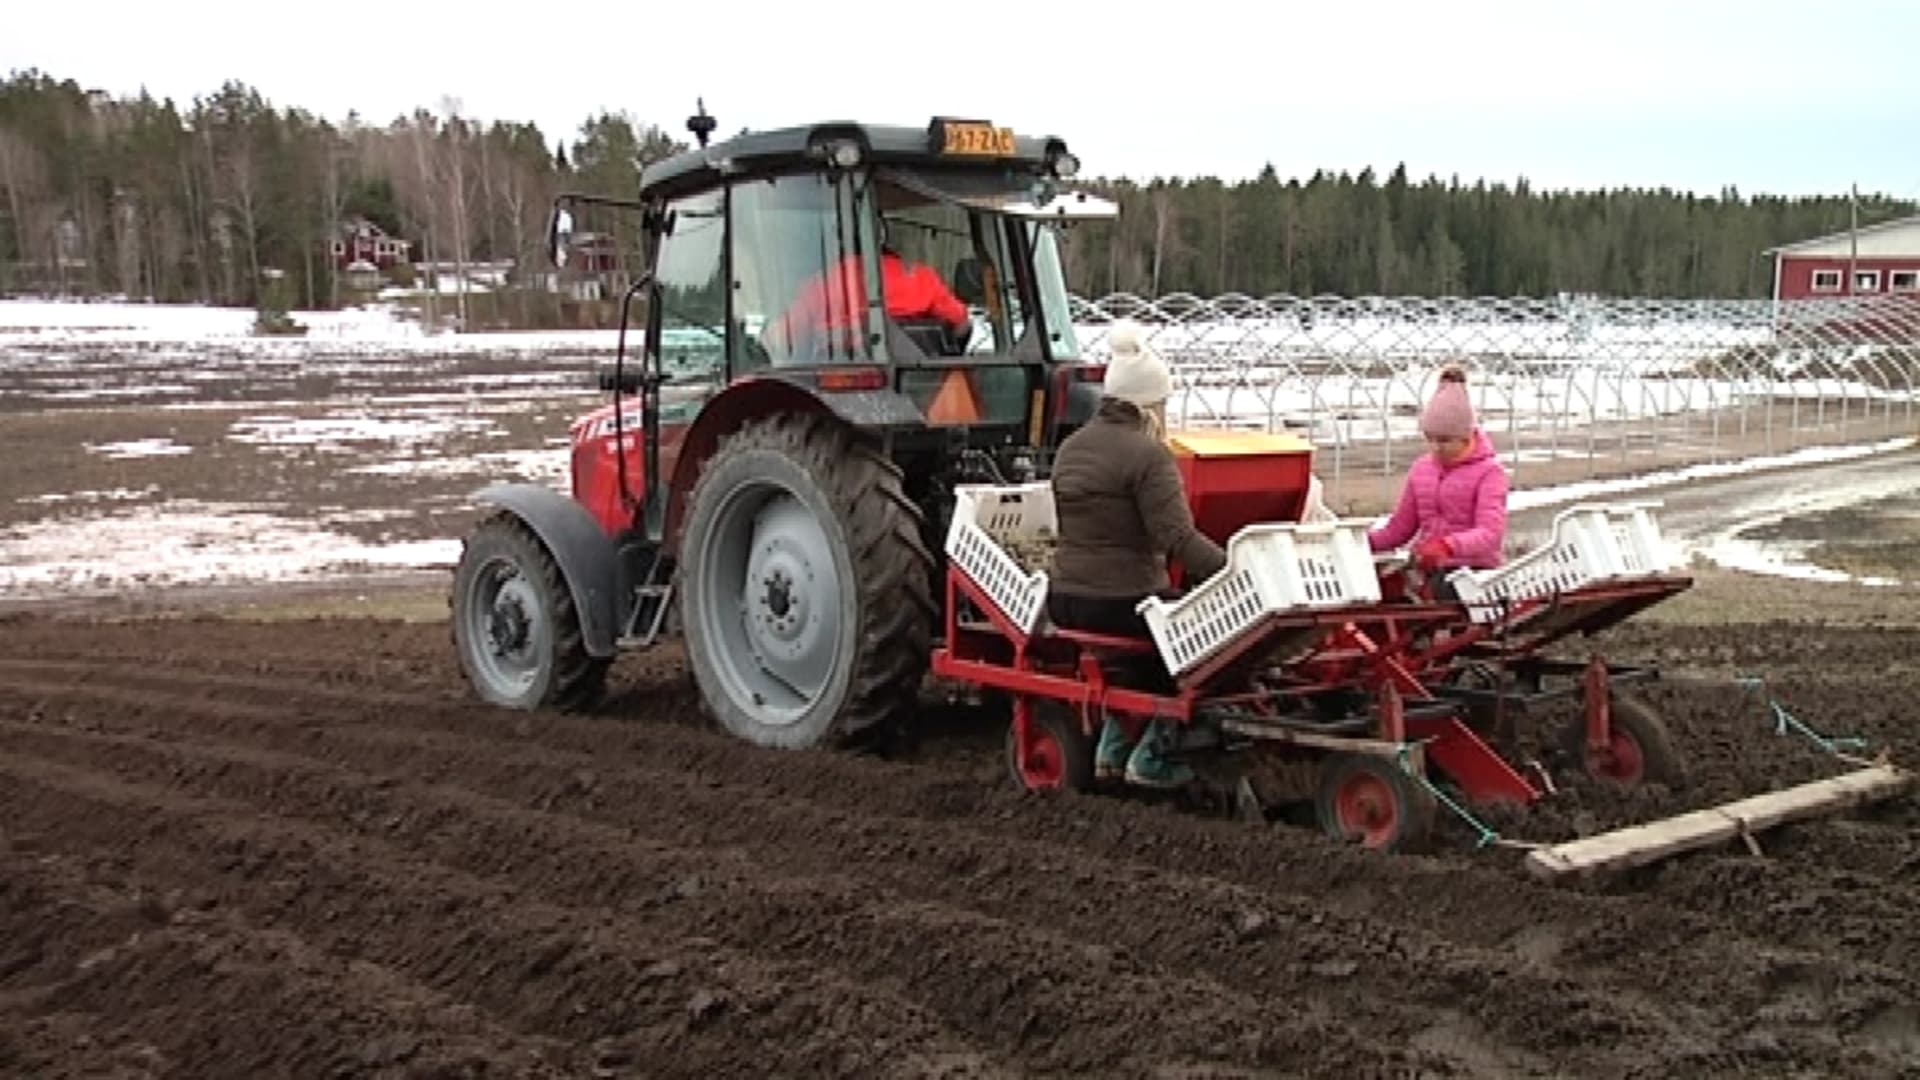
(1873, 261)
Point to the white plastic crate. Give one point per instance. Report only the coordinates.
(1636, 536)
(1270, 568)
(985, 517)
(1584, 549)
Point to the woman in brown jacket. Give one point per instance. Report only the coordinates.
(1122, 513)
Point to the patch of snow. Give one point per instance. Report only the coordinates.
(544, 465)
(110, 495)
(335, 432)
(1588, 489)
(379, 330)
(139, 448)
(363, 516)
(1776, 558)
(192, 543)
(111, 393)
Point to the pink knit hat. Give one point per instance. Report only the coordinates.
(1448, 415)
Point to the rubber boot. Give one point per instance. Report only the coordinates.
(1110, 755)
(1148, 769)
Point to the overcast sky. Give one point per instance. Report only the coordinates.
(1775, 97)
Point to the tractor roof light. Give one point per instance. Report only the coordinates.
(1065, 165)
(841, 153)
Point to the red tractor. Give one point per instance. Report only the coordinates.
(777, 476)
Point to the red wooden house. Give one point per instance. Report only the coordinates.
(361, 240)
(1873, 261)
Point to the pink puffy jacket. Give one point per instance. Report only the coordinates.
(1465, 502)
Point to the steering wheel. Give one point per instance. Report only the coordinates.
(936, 338)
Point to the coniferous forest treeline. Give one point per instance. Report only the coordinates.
(211, 200)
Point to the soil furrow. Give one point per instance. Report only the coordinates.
(653, 985)
(333, 780)
(1428, 971)
(101, 956)
(919, 941)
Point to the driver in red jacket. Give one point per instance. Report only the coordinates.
(833, 301)
(915, 291)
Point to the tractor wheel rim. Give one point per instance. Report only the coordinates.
(505, 627)
(1621, 761)
(1046, 762)
(772, 608)
(1365, 807)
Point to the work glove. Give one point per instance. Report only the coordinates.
(1430, 553)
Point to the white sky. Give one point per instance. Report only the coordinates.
(1771, 96)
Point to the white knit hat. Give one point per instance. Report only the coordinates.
(1136, 373)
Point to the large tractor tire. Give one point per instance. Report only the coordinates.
(806, 590)
(514, 624)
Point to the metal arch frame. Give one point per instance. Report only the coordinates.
(1575, 377)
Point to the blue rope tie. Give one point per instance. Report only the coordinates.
(1402, 753)
(1784, 721)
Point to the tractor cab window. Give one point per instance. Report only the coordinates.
(975, 227)
(804, 268)
(965, 250)
(692, 296)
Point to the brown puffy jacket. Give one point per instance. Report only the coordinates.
(1122, 512)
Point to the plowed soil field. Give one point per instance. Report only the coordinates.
(298, 848)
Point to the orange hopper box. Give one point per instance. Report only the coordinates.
(1237, 478)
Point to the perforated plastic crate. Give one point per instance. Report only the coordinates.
(1270, 568)
(1643, 551)
(1584, 549)
(987, 517)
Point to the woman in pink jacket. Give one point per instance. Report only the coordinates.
(1453, 506)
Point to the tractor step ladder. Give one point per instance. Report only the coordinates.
(652, 600)
(1638, 845)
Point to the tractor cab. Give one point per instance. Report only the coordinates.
(909, 280)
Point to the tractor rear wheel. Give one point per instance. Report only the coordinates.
(514, 624)
(806, 590)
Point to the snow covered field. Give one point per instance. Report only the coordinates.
(159, 445)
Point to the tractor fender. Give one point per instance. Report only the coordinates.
(582, 550)
(749, 400)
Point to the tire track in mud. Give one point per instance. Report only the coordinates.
(1408, 954)
(1460, 962)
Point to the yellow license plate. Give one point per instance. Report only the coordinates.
(976, 140)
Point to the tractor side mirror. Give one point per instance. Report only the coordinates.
(969, 283)
(559, 235)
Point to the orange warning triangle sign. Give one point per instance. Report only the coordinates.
(955, 402)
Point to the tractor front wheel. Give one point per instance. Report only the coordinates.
(806, 591)
(1370, 800)
(514, 625)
